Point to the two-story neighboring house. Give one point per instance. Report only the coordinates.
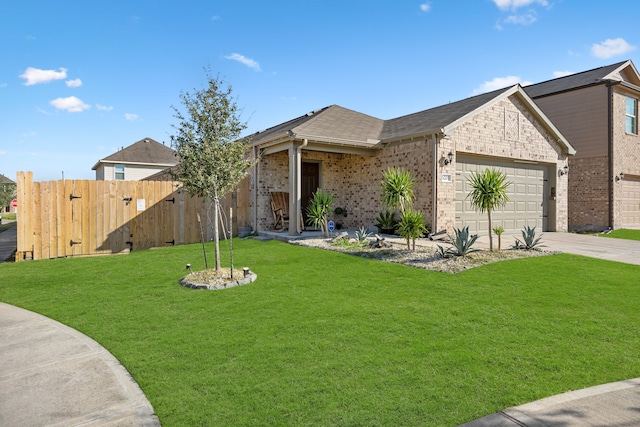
(136, 162)
(597, 111)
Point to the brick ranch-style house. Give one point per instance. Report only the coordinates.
(597, 111)
(138, 161)
(345, 152)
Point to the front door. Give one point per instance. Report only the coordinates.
(310, 183)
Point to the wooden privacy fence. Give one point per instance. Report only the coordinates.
(82, 217)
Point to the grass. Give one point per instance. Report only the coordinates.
(623, 233)
(323, 338)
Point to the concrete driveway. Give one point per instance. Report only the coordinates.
(627, 251)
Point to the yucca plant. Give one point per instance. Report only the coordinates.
(488, 192)
(386, 221)
(318, 211)
(499, 230)
(411, 226)
(397, 189)
(529, 240)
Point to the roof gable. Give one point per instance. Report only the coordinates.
(5, 180)
(145, 151)
(583, 79)
(332, 124)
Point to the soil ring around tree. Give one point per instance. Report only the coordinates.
(216, 280)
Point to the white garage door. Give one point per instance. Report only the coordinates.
(527, 194)
(631, 203)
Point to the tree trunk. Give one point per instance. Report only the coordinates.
(216, 231)
(490, 235)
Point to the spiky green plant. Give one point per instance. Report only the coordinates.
(529, 240)
(362, 235)
(386, 221)
(499, 230)
(318, 211)
(461, 244)
(397, 189)
(411, 226)
(489, 191)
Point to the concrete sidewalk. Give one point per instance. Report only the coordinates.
(52, 375)
(614, 404)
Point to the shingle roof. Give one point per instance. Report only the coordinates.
(5, 180)
(146, 150)
(435, 118)
(329, 124)
(573, 81)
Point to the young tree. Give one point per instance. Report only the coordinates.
(207, 141)
(397, 193)
(488, 192)
(7, 194)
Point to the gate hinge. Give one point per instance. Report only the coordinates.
(172, 200)
(173, 242)
(71, 243)
(71, 197)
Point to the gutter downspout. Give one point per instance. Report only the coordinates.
(610, 85)
(255, 189)
(299, 184)
(434, 195)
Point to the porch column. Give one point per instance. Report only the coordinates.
(295, 186)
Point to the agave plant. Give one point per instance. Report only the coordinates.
(529, 240)
(461, 244)
(362, 235)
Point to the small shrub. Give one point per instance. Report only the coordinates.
(319, 209)
(386, 222)
(411, 226)
(529, 240)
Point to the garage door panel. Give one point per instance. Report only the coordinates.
(631, 202)
(527, 205)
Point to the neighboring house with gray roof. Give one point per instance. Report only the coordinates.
(345, 152)
(136, 162)
(8, 189)
(597, 111)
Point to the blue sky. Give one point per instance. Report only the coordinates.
(80, 79)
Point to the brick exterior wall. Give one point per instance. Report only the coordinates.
(626, 153)
(504, 130)
(588, 194)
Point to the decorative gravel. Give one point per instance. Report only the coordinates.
(423, 257)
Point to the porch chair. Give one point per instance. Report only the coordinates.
(280, 210)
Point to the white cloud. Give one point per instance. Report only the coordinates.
(244, 60)
(34, 76)
(515, 4)
(41, 111)
(526, 19)
(73, 83)
(70, 104)
(499, 83)
(215, 18)
(557, 74)
(103, 107)
(131, 117)
(2, 153)
(611, 47)
(425, 7)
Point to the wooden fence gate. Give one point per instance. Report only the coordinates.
(82, 217)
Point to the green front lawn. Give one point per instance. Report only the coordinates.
(323, 338)
(623, 233)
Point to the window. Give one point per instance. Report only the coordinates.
(631, 116)
(119, 172)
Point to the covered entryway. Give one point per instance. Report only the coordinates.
(527, 194)
(310, 184)
(631, 202)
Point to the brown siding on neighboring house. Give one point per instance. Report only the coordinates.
(589, 194)
(581, 116)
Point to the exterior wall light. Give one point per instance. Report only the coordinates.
(449, 158)
(564, 170)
